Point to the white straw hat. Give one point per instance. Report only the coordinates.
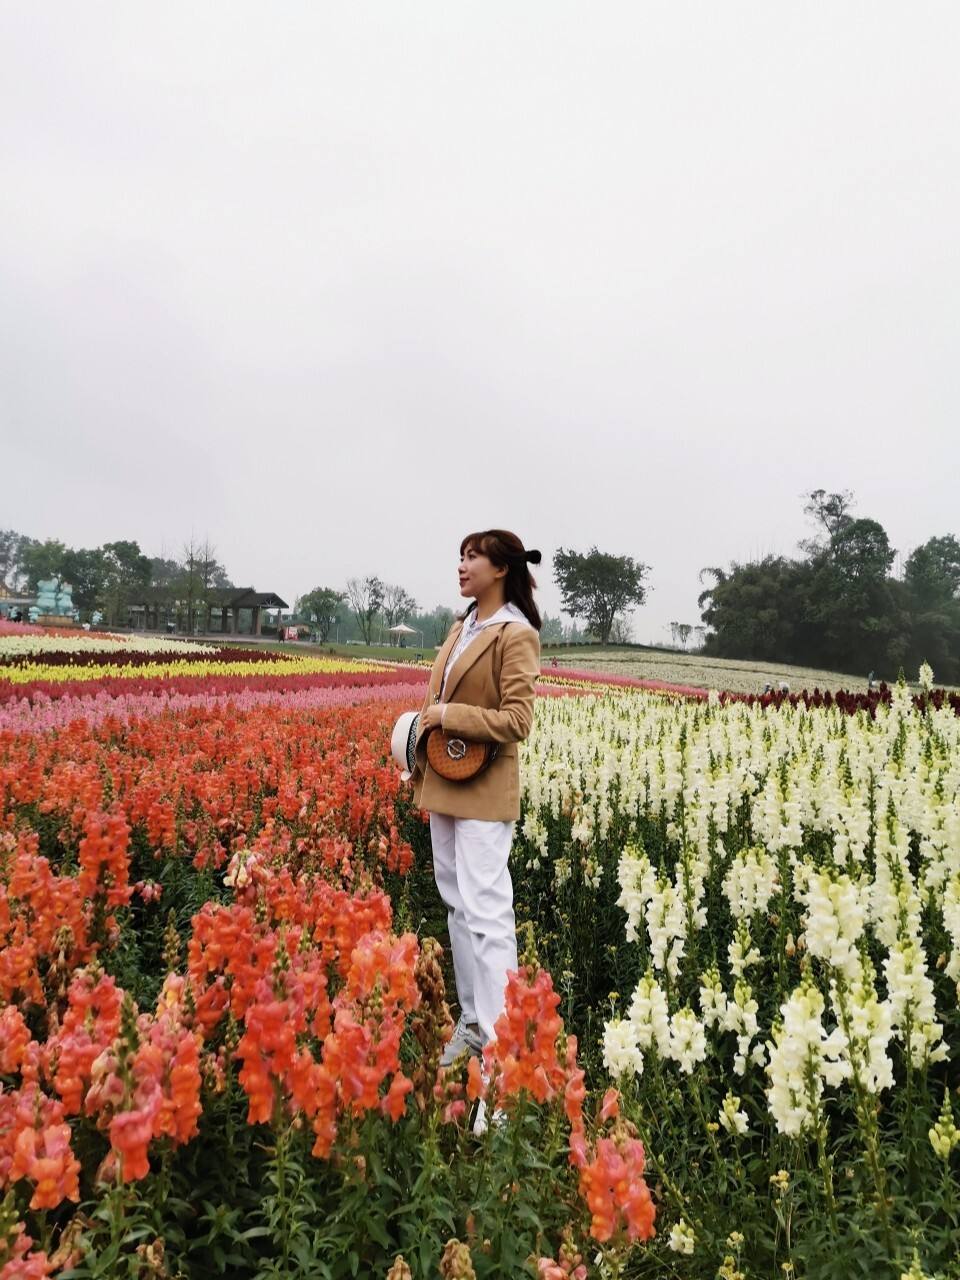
(403, 741)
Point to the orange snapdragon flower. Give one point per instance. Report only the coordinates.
(45, 1157)
(614, 1188)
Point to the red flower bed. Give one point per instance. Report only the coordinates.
(846, 700)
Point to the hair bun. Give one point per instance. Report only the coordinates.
(533, 557)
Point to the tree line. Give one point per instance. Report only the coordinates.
(110, 579)
(596, 587)
(838, 604)
(368, 607)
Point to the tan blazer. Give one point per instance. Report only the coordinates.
(490, 690)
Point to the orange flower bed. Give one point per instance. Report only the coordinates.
(194, 908)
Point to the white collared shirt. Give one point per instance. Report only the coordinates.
(471, 629)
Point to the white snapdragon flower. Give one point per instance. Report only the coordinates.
(866, 1031)
(944, 1135)
(926, 676)
(713, 999)
(682, 1238)
(637, 880)
(800, 1055)
(751, 881)
(688, 1043)
(740, 1017)
(666, 926)
(621, 1051)
(741, 952)
(592, 872)
(731, 1117)
(834, 920)
(535, 831)
(649, 1017)
(912, 1002)
(951, 921)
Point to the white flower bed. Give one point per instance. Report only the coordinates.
(32, 646)
(806, 857)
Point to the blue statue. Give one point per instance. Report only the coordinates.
(54, 597)
(47, 595)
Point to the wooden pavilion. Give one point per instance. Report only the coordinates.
(221, 605)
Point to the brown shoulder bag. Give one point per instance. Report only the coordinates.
(458, 759)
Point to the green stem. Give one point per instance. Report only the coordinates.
(827, 1171)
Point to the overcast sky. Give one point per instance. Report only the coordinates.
(335, 284)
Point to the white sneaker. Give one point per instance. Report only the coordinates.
(498, 1118)
(465, 1039)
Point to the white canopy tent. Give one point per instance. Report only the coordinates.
(401, 629)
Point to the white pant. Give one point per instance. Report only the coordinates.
(470, 867)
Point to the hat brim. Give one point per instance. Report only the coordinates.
(403, 743)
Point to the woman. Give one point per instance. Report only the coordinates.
(481, 688)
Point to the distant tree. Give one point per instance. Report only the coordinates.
(932, 571)
(442, 622)
(13, 546)
(366, 599)
(751, 609)
(551, 630)
(164, 574)
(86, 571)
(831, 512)
(201, 576)
(42, 560)
(683, 632)
(700, 636)
(597, 586)
(838, 607)
(397, 606)
(621, 631)
(931, 583)
(861, 552)
(126, 575)
(322, 607)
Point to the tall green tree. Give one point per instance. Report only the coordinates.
(86, 571)
(398, 606)
(932, 571)
(931, 582)
(366, 599)
(836, 607)
(441, 622)
(322, 606)
(42, 560)
(752, 609)
(598, 586)
(13, 545)
(126, 575)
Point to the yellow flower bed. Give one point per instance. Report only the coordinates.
(285, 666)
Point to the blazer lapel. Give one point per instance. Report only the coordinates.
(474, 650)
(437, 679)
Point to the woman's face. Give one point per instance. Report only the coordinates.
(477, 574)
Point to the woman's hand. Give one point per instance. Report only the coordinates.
(430, 719)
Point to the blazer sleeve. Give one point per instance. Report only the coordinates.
(519, 671)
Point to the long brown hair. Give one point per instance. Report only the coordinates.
(505, 550)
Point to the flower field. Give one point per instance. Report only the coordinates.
(221, 1019)
(729, 1050)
